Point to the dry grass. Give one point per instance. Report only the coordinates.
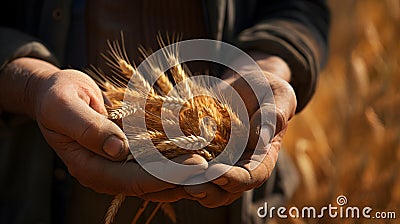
(347, 140)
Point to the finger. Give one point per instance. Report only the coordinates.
(194, 165)
(251, 88)
(256, 165)
(262, 128)
(246, 174)
(233, 198)
(267, 126)
(109, 177)
(191, 159)
(73, 105)
(179, 170)
(210, 195)
(273, 115)
(285, 101)
(94, 131)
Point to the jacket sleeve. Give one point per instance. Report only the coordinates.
(295, 30)
(15, 44)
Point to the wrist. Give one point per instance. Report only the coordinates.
(20, 84)
(267, 63)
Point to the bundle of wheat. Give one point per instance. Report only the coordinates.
(204, 120)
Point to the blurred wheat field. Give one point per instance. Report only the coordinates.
(347, 141)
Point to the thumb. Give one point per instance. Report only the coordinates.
(78, 113)
(94, 131)
(98, 134)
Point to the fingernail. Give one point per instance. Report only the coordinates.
(113, 146)
(221, 181)
(199, 195)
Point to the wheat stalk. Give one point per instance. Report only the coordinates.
(113, 209)
(153, 213)
(140, 211)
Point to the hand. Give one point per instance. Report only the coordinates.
(69, 109)
(255, 166)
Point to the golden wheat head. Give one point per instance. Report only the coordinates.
(164, 106)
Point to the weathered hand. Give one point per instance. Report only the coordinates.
(68, 107)
(255, 166)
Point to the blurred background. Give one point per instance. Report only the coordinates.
(347, 140)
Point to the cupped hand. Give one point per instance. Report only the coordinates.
(69, 109)
(70, 113)
(260, 156)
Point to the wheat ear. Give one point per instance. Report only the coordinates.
(179, 73)
(114, 207)
(141, 84)
(119, 112)
(178, 108)
(119, 60)
(167, 102)
(164, 83)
